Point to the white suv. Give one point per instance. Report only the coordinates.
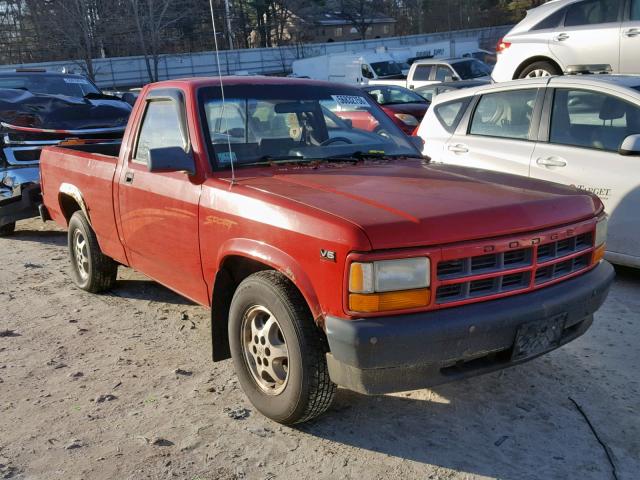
(582, 131)
(562, 34)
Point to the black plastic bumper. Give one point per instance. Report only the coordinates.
(23, 205)
(408, 352)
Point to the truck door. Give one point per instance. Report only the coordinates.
(586, 130)
(159, 211)
(630, 39)
(590, 34)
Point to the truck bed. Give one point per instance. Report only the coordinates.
(90, 169)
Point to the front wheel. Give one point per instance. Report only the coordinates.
(91, 270)
(540, 69)
(278, 352)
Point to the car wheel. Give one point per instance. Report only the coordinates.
(7, 229)
(278, 351)
(90, 268)
(540, 69)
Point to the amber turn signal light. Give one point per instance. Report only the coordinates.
(598, 253)
(389, 301)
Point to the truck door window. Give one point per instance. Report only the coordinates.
(594, 120)
(443, 74)
(366, 71)
(504, 114)
(422, 73)
(160, 128)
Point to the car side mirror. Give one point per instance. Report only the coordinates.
(630, 146)
(348, 121)
(171, 159)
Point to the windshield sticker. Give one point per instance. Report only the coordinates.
(350, 101)
(225, 158)
(78, 81)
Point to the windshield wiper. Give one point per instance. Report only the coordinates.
(269, 159)
(359, 155)
(100, 95)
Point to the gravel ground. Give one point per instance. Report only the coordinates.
(121, 386)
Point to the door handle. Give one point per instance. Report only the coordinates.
(458, 148)
(561, 37)
(632, 32)
(128, 177)
(551, 162)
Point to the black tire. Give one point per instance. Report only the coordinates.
(308, 390)
(7, 229)
(543, 66)
(99, 271)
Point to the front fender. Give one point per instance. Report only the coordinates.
(276, 259)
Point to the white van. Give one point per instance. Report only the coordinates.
(354, 68)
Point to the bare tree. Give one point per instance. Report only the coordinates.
(152, 18)
(359, 13)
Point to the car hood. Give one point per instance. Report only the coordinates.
(410, 203)
(58, 112)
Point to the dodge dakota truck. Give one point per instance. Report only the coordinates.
(329, 255)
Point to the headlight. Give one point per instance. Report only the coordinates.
(389, 285)
(601, 240)
(9, 181)
(407, 119)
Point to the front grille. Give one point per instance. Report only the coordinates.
(475, 277)
(495, 262)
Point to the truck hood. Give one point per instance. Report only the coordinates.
(409, 203)
(58, 112)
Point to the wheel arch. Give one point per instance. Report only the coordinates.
(70, 200)
(238, 259)
(532, 60)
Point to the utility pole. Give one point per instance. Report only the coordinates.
(228, 15)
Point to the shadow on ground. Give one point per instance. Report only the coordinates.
(140, 289)
(48, 237)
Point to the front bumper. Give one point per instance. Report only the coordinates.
(408, 352)
(21, 205)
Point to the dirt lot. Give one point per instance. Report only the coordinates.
(121, 386)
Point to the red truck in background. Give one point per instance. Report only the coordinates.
(329, 255)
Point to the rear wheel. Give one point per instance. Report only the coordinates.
(277, 350)
(7, 229)
(90, 268)
(540, 69)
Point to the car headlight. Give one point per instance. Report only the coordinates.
(407, 119)
(601, 239)
(389, 285)
(9, 181)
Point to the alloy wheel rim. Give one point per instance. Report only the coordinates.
(538, 73)
(81, 254)
(265, 350)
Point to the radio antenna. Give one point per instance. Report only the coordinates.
(226, 121)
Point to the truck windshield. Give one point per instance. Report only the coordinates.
(68, 85)
(266, 123)
(472, 68)
(386, 69)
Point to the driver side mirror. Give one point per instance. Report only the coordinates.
(171, 159)
(630, 146)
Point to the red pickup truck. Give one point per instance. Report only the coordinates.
(328, 255)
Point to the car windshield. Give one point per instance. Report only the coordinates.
(394, 95)
(68, 85)
(468, 69)
(386, 69)
(296, 122)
